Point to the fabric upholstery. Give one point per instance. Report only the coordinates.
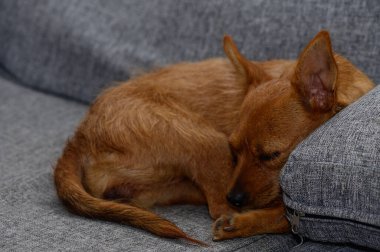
(310, 246)
(77, 47)
(334, 177)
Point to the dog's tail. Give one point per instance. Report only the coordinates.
(68, 182)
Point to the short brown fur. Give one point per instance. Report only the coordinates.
(162, 139)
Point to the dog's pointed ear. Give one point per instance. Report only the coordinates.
(316, 74)
(248, 72)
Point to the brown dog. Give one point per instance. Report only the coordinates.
(162, 139)
(275, 116)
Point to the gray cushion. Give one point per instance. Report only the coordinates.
(34, 128)
(333, 177)
(310, 246)
(76, 47)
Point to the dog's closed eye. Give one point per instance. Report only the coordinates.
(269, 156)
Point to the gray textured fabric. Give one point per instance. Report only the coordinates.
(280, 244)
(34, 128)
(309, 246)
(335, 173)
(76, 47)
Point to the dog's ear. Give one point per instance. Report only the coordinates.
(316, 74)
(248, 72)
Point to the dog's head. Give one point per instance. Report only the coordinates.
(285, 102)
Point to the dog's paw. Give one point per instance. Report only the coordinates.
(226, 227)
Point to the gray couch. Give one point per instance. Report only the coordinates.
(56, 56)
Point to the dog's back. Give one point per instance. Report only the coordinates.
(207, 89)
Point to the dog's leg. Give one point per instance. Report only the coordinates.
(254, 222)
(183, 192)
(208, 165)
(211, 173)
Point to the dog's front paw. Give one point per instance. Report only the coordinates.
(226, 227)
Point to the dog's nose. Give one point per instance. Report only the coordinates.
(237, 198)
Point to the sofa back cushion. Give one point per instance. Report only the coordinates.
(75, 48)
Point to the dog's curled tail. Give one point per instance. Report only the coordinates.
(68, 182)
